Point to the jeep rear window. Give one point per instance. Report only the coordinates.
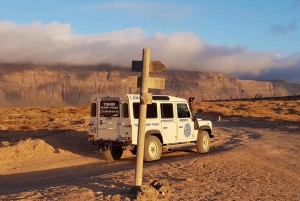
(151, 110)
(109, 108)
(93, 110)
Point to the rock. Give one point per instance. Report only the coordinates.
(5, 144)
(189, 179)
(162, 186)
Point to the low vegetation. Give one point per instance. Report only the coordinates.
(63, 118)
(284, 110)
(44, 118)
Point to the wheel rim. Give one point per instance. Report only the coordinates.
(205, 142)
(153, 149)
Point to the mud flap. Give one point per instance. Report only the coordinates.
(196, 123)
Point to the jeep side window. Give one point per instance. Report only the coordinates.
(166, 110)
(125, 110)
(151, 110)
(183, 111)
(93, 110)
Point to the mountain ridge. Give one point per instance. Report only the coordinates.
(29, 85)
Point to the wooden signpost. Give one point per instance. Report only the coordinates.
(153, 82)
(145, 82)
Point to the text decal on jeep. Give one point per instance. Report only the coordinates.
(109, 109)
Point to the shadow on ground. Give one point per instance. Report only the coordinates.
(83, 175)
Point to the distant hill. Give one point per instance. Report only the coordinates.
(60, 85)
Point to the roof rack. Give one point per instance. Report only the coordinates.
(160, 98)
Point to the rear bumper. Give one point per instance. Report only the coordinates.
(109, 142)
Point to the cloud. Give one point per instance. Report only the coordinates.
(290, 74)
(284, 29)
(287, 68)
(57, 43)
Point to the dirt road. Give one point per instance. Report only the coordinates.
(250, 159)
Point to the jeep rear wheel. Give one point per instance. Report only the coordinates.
(115, 153)
(153, 148)
(203, 142)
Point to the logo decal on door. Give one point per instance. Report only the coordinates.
(187, 130)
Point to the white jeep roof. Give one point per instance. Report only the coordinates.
(136, 97)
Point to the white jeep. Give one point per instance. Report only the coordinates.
(170, 125)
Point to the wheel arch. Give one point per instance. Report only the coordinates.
(208, 129)
(155, 133)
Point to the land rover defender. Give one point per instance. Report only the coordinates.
(170, 125)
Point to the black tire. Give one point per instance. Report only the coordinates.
(203, 142)
(153, 148)
(115, 153)
(134, 151)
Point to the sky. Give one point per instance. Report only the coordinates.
(246, 39)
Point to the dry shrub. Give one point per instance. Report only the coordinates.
(77, 118)
(147, 193)
(48, 118)
(157, 190)
(288, 110)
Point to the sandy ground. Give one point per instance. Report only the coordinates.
(250, 159)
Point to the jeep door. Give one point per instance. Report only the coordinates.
(109, 120)
(185, 124)
(168, 122)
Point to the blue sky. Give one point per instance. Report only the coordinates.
(255, 29)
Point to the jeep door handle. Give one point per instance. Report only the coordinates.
(180, 126)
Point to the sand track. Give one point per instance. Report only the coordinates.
(250, 159)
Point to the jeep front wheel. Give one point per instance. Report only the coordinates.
(203, 142)
(153, 148)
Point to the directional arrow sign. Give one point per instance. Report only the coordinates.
(132, 81)
(155, 66)
(153, 82)
(156, 83)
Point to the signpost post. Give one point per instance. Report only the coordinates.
(145, 66)
(142, 118)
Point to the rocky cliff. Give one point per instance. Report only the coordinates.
(32, 85)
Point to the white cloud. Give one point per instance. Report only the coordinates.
(56, 43)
